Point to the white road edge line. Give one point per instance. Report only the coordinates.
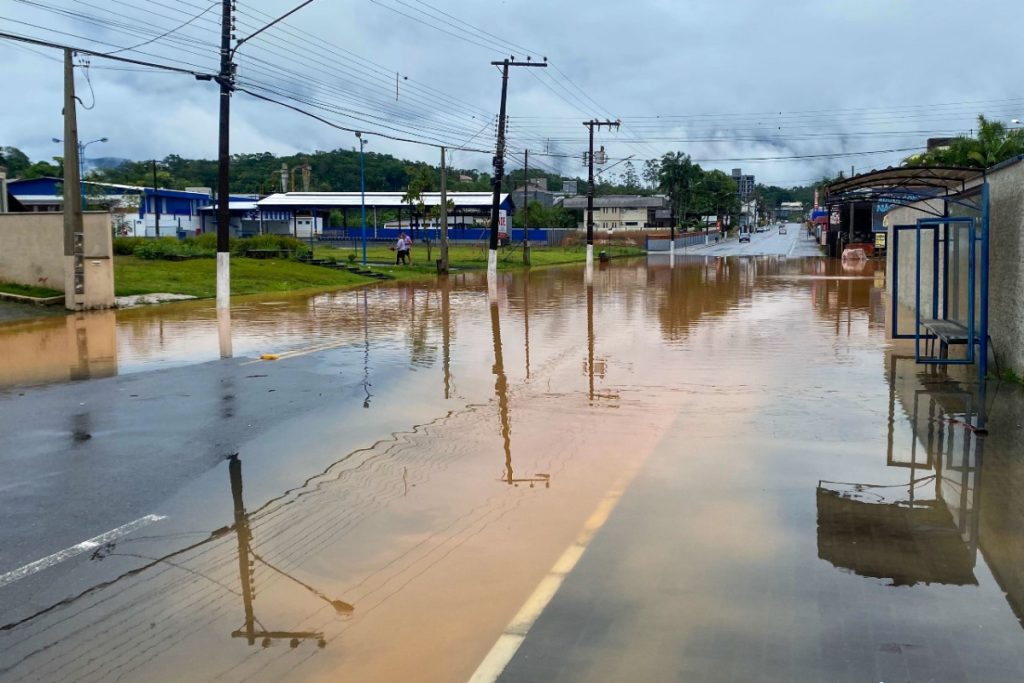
(78, 549)
(515, 633)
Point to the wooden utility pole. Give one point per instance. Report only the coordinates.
(590, 185)
(499, 160)
(443, 267)
(74, 249)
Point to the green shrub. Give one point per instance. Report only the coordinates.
(125, 246)
(207, 240)
(296, 246)
(169, 248)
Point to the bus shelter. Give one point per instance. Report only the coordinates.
(937, 224)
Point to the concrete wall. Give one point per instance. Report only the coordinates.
(1006, 263)
(1006, 258)
(32, 253)
(32, 249)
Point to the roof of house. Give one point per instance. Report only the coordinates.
(617, 200)
(37, 189)
(303, 200)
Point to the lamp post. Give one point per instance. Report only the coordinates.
(362, 190)
(81, 163)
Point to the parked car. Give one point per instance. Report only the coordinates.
(782, 229)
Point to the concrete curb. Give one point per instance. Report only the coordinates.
(38, 301)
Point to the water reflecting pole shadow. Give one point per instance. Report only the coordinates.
(526, 318)
(590, 341)
(504, 417)
(224, 331)
(366, 352)
(446, 334)
(247, 568)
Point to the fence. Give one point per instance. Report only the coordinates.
(655, 244)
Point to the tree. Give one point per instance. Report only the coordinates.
(629, 177)
(678, 176)
(651, 173)
(15, 161)
(544, 217)
(993, 144)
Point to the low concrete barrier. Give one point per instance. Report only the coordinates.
(32, 253)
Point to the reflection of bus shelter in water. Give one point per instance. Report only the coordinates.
(926, 530)
(938, 250)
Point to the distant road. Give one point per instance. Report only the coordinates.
(794, 243)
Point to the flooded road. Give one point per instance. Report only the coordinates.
(765, 489)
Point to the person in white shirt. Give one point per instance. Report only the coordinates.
(401, 250)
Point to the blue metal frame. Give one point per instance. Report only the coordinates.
(895, 246)
(935, 224)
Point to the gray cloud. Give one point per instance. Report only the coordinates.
(772, 79)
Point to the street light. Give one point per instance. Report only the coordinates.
(362, 190)
(81, 163)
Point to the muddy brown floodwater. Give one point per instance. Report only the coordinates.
(827, 517)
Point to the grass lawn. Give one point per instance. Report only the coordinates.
(197, 277)
(470, 256)
(28, 290)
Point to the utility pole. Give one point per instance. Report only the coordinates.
(74, 253)
(226, 79)
(499, 160)
(443, 267)
(590, 185)
(156, 200)
(526, 206)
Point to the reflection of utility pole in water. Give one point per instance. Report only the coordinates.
(246, 570)
(594, 365)
(501, 391)
(446, 335)
(366, 351)
(242, 532)
(526, 318)
(590, 340)
(224, 331)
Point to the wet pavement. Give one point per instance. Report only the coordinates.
(765, 488)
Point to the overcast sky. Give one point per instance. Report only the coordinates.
(726, 82)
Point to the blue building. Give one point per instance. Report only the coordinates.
(133, 207)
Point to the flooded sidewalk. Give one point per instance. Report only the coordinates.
(765, 488)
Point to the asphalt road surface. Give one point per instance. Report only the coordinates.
(795, 243)
(688, 471)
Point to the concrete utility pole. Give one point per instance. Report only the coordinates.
(526, 205)
(443, 267)
(74, 248)
(499, 160)
(226, 79)
(590, 185)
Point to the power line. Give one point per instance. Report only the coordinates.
(165, 33)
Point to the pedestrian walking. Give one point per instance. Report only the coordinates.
(401, 249)
(408, 249)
